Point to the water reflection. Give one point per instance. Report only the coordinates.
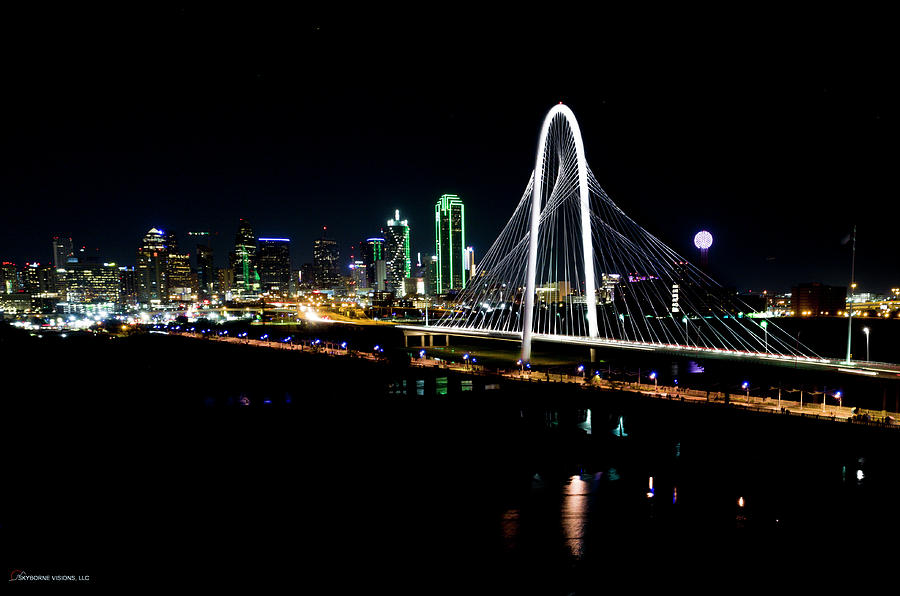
(619, 431)
(510, 526)
(575, 508)
(586, 425)
(741, 516)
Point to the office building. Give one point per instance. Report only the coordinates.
(326, 262)
(244, 263)
(306, 277)
(396, 248)
(150, 271)
(181, 281)
(815, 300)
(128, 287)
(224, 283)
(373, 254)
(469, 265)
(39, 280)
(450, 243)
(204, 265)
(9, 278)
(359, 277)
(91, 282)
(61, 249)
(431, 276)
(274, 262)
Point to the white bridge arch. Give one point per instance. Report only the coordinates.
(571, 266)
(560, 111)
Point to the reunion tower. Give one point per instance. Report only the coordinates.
(703, 240)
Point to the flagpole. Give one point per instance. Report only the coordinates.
(850, 294)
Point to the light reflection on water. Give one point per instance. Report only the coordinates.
(510, 526)
(575, 511)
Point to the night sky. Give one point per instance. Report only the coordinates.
(774, 131)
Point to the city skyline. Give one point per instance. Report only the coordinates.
(562, 294)
(776, 148)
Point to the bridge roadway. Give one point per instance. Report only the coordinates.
(854, 367)
(807, 409)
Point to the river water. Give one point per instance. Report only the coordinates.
(329, 481)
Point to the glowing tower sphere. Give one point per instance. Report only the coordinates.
(703, 240)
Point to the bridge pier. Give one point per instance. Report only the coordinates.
(593, 355)
(425, 340)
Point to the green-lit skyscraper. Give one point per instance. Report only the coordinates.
(450, 243)
(243, 262)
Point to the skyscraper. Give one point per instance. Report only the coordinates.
(306, 278)
(450, 243)
(359, 272)
(181, 281)
(127, 287)
(61, 248)
(469, 265)
(92, 282)
(224, 282)
(206, 272)
(9, 279)
(205, 267)
(431, 276)
(275, 266)
(246, 274)
(39, 280)
(396, 248)
(326, 259)
(151, 268)
(373, 257)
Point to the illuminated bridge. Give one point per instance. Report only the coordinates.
(570, 266)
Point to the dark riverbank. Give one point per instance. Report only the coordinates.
(134, 462)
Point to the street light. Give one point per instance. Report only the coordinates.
(866, 331)
(653, 376)
(746, 386)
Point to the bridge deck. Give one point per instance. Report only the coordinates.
(870, 369)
